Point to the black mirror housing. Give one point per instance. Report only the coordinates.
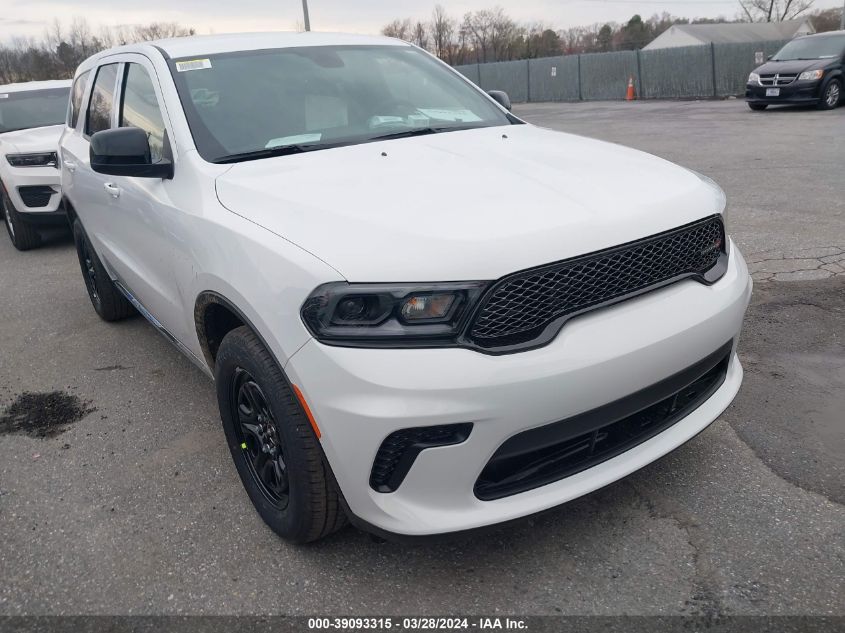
(125, 151)
(502, 98)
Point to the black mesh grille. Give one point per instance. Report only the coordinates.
(36, 196)
(398, 451)
(521, 306)
(549, 453)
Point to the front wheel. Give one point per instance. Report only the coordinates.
(274, 448)
(831, 95)
(24, 236)
(758, 107)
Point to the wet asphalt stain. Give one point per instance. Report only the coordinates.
(43, 415)
(791, 407)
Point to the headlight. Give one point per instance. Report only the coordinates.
(811, 75)
(390, 315)
(41, 159)
(754, 78)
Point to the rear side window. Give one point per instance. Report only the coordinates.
(102, 100)
(140, 108)
(76, 94)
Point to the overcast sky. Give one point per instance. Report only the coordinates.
(31, 17)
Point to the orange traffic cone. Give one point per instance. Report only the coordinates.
(631, 92)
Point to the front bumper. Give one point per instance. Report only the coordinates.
(15, 178)
(796, 93)
(360, 396)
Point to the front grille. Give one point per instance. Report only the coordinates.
(398, 451)
(35, 196)
(552, 452)
(526, 307)
(777, 80)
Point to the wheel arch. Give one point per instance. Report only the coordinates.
(214, 317)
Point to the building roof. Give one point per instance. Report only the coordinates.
(35, 85)
(732, 33)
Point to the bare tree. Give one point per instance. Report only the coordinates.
(62, 49)
(420, 35)
(443, 30)
(774, 10)
(827, 19)
(400, 29)
(492, 34)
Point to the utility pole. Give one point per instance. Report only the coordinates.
(305, 15)
(842, 21)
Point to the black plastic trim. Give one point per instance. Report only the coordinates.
(460, 434)
(549, 435)
(552, 329)
(41, 218)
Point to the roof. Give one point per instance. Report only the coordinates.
(734, 32)
(35, 85)
(213, 44)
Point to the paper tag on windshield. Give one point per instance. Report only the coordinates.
(299, 139)
(193, 64)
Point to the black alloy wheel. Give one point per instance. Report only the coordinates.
(274, 446)
(260, 439)
(109, 303)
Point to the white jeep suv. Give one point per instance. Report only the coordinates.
(421, 313)
(31, 116)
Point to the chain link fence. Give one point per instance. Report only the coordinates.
(689, 72)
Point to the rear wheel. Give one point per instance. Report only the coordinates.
(757, 107)
(24, 236)
(831, 95)
(274, 448)
(107, 300)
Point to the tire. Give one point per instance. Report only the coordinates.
(107, 300)
(758, 107)
(24, 236)
(279, 459)
(831, 95)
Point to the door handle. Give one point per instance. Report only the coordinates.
(114, 190)
(71, 166)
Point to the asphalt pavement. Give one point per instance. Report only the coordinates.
(128, 503)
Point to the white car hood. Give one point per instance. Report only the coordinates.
(468, 205)
(37, 139)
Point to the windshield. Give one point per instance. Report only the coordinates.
(33, 108)
(811, 48)
(254, 104)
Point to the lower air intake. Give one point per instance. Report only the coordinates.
(398, 451)
(36, 196)
(552, 452)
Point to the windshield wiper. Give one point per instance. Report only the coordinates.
(284, 150)
(422, 131)
(299, 148)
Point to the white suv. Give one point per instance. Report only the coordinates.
(420, 312)
(31, 116)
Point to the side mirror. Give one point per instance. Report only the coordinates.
(769, 58)
(501, 98)
(125, 151)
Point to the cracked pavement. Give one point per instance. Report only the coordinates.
(801, 265)
(137, 509)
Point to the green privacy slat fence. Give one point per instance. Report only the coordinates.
(735, 61)
(715, 70)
